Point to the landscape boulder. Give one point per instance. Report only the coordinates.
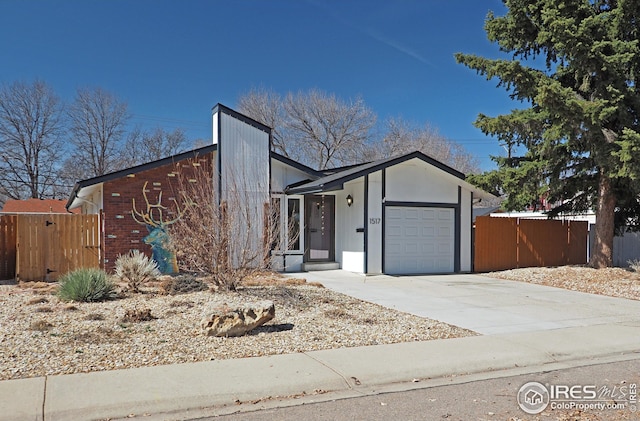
(236, 319)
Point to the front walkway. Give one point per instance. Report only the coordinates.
(482, 304)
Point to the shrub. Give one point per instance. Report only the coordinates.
(183, 284)
(137, 315)
(135, 269)
(634, 265)
(87, 285)
(40, 325)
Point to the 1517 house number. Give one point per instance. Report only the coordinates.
(374, 221)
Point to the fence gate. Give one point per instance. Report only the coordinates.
(50, 245)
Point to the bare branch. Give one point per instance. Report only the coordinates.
(97, 126)
(30, 139)
(314, 128)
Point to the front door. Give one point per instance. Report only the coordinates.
(319, 228)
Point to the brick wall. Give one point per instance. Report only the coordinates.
(121, 231)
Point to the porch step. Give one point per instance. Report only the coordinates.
(313, 266)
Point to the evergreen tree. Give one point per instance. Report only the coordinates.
(575, 67)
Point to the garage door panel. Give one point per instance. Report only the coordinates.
(444, 232)
(394, 231)
(419, 240)
(445, 215)
(443, 249)
(428, 214)
(428, 231)
(411, 248)
(428, 249)
(411, 214)
(392, 213)
(394, 248)
(443, 264)
(411, 231)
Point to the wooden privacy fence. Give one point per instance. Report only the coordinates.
(46, 246)
(510, 243)
(7, 246)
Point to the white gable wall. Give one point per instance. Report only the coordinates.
(283, 175)
(417, 181)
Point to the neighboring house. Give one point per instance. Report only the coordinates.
(401, 215)
(588, 216)
(35, 206)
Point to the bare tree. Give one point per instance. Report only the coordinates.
(267, 107)
(331, 132)
(313, 127)
(403, 137)
(30, 140)
(97, 126)
(150, 146)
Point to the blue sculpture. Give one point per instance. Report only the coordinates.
(158, 237)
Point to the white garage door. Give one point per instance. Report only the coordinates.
(418, 240)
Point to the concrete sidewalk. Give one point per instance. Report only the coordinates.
(353, 371)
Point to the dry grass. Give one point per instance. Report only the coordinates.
(37, 300)
(613, 282)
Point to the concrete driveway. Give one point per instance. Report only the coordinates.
(482, 304)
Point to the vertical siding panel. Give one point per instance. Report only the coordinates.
(244, 157)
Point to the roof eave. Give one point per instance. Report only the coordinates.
(72, 197)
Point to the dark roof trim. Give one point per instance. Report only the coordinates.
(241, 117)
(329, 171)
(295, 164)
(299, 183)
(334, 181)
(138, 168)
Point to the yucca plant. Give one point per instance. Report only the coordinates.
(135, 269)
(86, 284)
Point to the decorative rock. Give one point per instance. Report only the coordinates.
(223, 320)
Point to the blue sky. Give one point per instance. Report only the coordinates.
(172, 61)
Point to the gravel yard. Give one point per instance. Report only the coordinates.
(614, 282)
(41, 335)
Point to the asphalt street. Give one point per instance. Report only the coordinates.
(492, 399)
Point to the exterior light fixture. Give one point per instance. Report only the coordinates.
(349, 200)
